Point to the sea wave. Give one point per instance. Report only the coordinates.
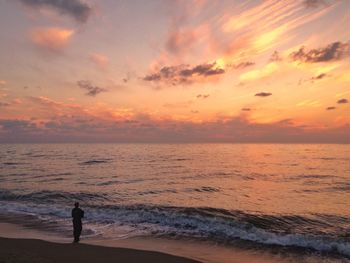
(219, 225)
(45, 196)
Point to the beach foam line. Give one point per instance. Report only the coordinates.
(200, 251)
(212, 224)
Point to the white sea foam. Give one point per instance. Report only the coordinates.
(179, 222)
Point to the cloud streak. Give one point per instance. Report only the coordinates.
(242, 65)
(314, 3)
(76, 9)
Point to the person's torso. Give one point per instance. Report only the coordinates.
(77, 214)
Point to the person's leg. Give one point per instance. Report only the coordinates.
(79, 233)
(76, 234)
(80, 229)
(76, 231)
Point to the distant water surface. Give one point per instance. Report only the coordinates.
(268, 194)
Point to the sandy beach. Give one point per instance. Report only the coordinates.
(19, 243)
(39, 251)
(24, 244)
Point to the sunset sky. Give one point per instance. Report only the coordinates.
(175, 71)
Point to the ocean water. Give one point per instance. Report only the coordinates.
(281, 195)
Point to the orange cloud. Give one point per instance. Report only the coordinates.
(48, 120)
(178, 40)
(100, 60)
(257, 74)
(254, 31)
(271, 12)
(123, 126)
(3, 95)
(52, 39)
(181, 40)
(236, 36)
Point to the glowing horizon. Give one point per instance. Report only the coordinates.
(175, 71)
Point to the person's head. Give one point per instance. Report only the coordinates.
(76, 204)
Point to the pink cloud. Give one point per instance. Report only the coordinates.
(52, 39)
(182, 40)
(100, 60)
(142, 128)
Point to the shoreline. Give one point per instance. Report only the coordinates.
(184, 251)
(187, 250)
(19, 244)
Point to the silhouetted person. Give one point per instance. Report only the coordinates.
(77, 215)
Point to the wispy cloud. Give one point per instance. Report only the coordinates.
(231, 37)
(242, 65)
(100, 60)
(260, 73)
(331, 108)
(263, 26)
(52, 39)
(314, 3)
(91, 89)
(76, 9)
(181, 40)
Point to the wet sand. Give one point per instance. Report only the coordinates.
(22, 244)
(39, 251)
(19, 244)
